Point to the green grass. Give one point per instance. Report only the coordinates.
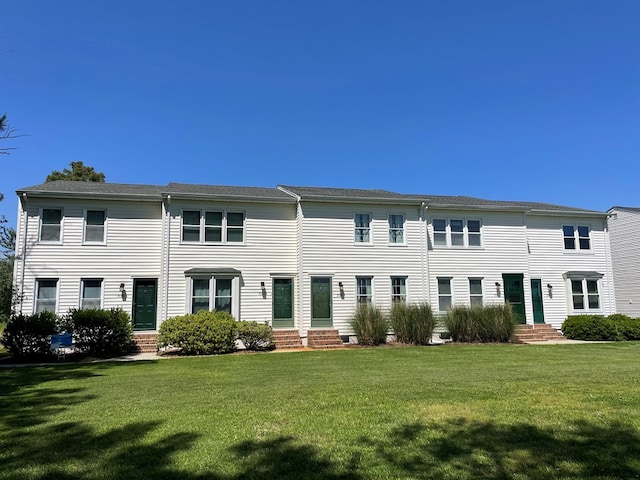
(451, 412)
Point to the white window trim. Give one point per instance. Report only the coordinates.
(370, 277)
(101, 280)
(583, 277)
(235, 292)
(201, 236)
(35, 293)
(84, 226)
(406, 287)
(370, 242)
(465, 233)
(450, 279)
(50, 242)
(576, 238)
(404, 230)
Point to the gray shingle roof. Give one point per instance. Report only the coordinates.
(226, 191)
(444, 200)
(343, 193)
(65, 186)
(628, 209)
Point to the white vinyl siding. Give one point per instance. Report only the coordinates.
(94, 226)
(46, 295)
(624, 225)
(91, 294)
(51, 225)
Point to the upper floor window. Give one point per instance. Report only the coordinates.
(94, 223)
(398, 290)
(46, 295)
(445, 295)
(396, 228)
(212, 226)
(576, 237)
(51, 225)
(364, 292)
(475, 292)
(456, 232)
(362, 232)
(91, 294)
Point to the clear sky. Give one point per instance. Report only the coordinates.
(508, 100)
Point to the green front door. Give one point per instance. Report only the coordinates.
(144, 304)
(514, 294)
(282, 303)
(321, 302)
(536, 300)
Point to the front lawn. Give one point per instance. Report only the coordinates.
(450, 412)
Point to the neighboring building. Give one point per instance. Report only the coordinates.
(624, 226)
(302, 258)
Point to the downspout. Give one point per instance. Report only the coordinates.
(166, 259)
(613, 307)
(299, 217)
(25, 222)
(423, 252)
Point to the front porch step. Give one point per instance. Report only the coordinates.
(287, 339)
(324, 339)
(535, 333)
(145, 342)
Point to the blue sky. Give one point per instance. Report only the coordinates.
(511, 100)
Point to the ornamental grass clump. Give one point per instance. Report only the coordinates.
(203, 333)
(412, 323)
(490, 323)
(369, 325)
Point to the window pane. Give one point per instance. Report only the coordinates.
(592, 286)
(223, 287)
(212, 234)
(456, 225)
(444, 286)
(473, 226)
(94, 234)
(234, 235)
(46, 295)
(585, 244)
(583, 231)
(91, 293)
(201, 288)
(95, 217)
(457, 232)
(363, 290)
(444, 303)
(576, 287)
(199, 304)
(439, 231)
(213, 218)
(235, 219)
(475, 286)
(51, 216)
(440, 239)
(567, 230)
(362, 227)
(191, 234)
(439, 225)
(50, 228)
(191, 226)
(398, 289)
(191, 217)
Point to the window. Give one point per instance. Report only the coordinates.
(398, 290)
(475, 292)
(396, 228)
(364, 292)
(50, 225)
(94, 226)
(91, 294)
(457, 232)
(585, 294)
(215, 291)
(46, 295)
(579, 233)
(212, 226)
(362, 228)
(445, 299)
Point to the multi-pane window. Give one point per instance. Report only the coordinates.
(445, 296)
(94, 226)
(364, 292)
(585, 294)
(91, 294)
(215, 291)
(457, 232)
(576, 237)
(396, 228)
(212, 226)
(50, 225)
(398, 290)
(475, 292)
(46, 295)
(362, 232)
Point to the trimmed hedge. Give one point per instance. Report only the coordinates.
(489, 323)
(369, 325)
(28, 336)
(203, 333)
(628, 327)
(255, 336)
(412, 323)
(100, 333)
(615, 327)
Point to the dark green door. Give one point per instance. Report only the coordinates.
(514, 294)
(321, 302)
(282, 303)
(144, 304)
(536, 300)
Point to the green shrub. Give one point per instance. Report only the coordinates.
(255, 336)
(202, 333)
(590, 327)
(369, 325)
(628, 328)
(99, 332)
(28, 336)
(412, 323)
(490, 323)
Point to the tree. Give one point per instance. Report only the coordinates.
(78, 173)
(6, 132)
(7, 254)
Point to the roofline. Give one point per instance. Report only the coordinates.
(145, 197)
(233, 198)
(564, 213)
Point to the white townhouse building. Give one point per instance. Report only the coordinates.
(624, 224)
(302, 258)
